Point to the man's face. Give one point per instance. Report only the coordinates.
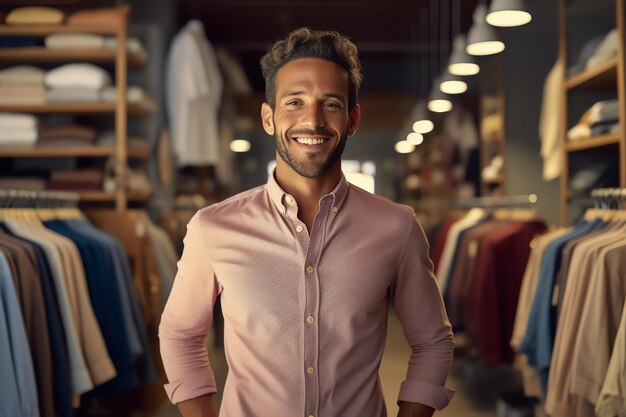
(311, 120)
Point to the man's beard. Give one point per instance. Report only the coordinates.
(309, 170)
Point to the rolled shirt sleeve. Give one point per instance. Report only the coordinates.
(187, 318)
(420, 310)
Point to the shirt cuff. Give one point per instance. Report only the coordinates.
(425, 393)
(191, 386)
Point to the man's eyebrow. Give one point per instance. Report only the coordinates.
(291, 93)
(296, 93)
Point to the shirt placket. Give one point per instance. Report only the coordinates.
(310, 323)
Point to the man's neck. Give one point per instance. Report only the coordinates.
(307, 191)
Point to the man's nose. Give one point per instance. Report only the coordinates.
(314, 116)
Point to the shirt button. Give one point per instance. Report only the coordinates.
(310, 319)
(309, 269)
(310, 415)
(310, 370)
(289, 199)
(335, 209)
(299, 228)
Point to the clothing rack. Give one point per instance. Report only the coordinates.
(609, 198)
(10, 198)
(495, 202)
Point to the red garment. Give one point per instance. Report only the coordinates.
(437, 248)
(495, 288)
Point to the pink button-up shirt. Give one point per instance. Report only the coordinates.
(305, 312)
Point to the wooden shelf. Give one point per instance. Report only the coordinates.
(602, 76)
(593, 142)
(43, 30)
(42, 55)
(102, 196)
(494, 181)
(61, 152)
(143, 108)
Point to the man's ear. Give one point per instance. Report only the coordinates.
(267, 118)
(353, 120)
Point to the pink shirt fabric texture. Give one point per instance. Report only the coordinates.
(305, 312)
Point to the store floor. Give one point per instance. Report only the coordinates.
(393, 369)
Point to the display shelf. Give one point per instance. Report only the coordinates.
(103, 196)
(41, 55)
(43, 30)
(602, 76)
(593, 142)
(60, 152)
(142, 108)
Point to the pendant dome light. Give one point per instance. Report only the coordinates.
(451, 84)
(438, 102)
(460, 62)
(482, 38)
(508, 13)
(422, 123)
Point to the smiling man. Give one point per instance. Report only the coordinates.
(306, 266)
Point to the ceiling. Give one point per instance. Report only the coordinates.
(408, 32)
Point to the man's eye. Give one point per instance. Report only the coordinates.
(293, 103)
(333, 106)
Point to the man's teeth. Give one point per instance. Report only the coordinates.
(305, 141)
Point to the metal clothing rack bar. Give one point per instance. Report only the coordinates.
(10, 198)
(494, 202)
(609, 198)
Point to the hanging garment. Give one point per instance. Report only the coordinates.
(62, 388)
(549, 129)
(18, 390)
(612, 398)
(194, 90)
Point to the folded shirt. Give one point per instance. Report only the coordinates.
(22, 74)
(84, 134)
(77, 75)
(20, 41)
(86, 175)
(578, 132)
(604, 110)
(133, 45)
(74, 40)
(72, 95)
(35, 15)
(102, 16)
(17, 121)
(108, 139)
(602, 128)
(586, 52)
(606, 50)
(22, 93)
(20, 137)
(22, 183)
(134, 94)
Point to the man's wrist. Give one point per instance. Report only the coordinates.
(408, 409)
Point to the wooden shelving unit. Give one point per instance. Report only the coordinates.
(120, 59)
(58, 152)
(610, 75)
(40, 55)
(593, 142)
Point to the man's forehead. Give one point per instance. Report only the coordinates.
(312, 71)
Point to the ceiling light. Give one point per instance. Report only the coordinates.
(460, 62)
(482, 38)
(451, 84)
(239, 145)
(423, 126)
(419, 113)
(415, 138)
(508, 13)
(404, 147)
(440, 106)
(438, 102)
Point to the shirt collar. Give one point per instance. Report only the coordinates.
(279, 196)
